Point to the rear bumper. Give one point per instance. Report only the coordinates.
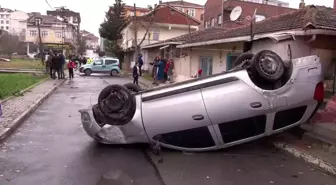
(130, 133)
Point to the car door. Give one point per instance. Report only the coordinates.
(236, 110)
(110, 64)
(176, 118)
(97, 66)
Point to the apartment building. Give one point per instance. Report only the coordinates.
(5, 18)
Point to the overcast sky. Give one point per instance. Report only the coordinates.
(93, 11)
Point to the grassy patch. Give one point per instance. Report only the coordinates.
(147, 76)
(12, 84)
(22, 64)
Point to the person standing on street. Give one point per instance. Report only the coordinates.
(55, 64)
(62, 58)
(48, 65)
(136, 72)
(140, 63)
(71, 66)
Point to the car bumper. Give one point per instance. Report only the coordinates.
(130, 133)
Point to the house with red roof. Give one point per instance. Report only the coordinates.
(164, 22)
(310, 30)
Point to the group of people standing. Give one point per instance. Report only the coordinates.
(162, 70)
(55, 64)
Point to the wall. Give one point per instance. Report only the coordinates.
(51, 37)
(298, 47)
(18, 22)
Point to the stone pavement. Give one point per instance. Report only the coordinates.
(14, 107)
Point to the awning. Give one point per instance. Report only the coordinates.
(166, 46)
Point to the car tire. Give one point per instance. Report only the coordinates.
(268, 65)
(114, 72)
(87, 72)
(117, 104)
(242, 58)
(133, 87)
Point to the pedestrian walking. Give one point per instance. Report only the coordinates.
(155, 65)
(140, 63)
(136, 72)
(71, 66)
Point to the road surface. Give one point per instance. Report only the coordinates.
(51, 148)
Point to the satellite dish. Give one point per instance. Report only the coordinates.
(235, 13)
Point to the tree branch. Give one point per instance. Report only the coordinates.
(147, 29)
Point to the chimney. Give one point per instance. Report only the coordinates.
(303, 4)
(160, 2)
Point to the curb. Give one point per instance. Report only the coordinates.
(20, 119)
(306, 157)
(26, 89)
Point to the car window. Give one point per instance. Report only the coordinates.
(109, 62)
(98, 62)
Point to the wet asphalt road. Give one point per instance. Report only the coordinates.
(51, 148)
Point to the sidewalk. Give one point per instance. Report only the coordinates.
(16, 109)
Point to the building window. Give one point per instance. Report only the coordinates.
(1, 27)
(58, 34)
(191, 12)
(32, 33)
(202, 17)
(2, 16)
(7, 16)
(1, 21)
(212, 22)
(219, 19)
(44, 33)
(7, 22)
(7, 28)
(259, 18)
(131, 13)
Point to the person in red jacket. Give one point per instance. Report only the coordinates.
(71, 67)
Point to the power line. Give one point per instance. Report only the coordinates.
(49, 4)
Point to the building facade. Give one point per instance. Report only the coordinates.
(92, 41)
(217, 12)
(129, 11)
(194, 10)
(5, 19)
(18, 24)
(55, 34)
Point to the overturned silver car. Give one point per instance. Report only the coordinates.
(261, 96)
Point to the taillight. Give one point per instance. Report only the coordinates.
(319, 92)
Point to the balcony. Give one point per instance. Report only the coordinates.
(127, 44)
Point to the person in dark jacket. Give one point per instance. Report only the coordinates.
(155, 65)
(62, 58)
(56, 63)
(136, 72)
(140, 63)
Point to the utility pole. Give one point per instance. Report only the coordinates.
(135, 35)
(187, 18)
(252, 26)
(38, 22)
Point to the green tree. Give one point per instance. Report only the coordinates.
(110, 29)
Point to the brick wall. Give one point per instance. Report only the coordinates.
(213, 8)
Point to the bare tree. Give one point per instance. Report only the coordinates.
(9, 44)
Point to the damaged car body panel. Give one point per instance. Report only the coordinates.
(217, 111)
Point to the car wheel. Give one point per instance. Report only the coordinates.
(243, 58)
(268, 65)
(114, 72)
(117, 104)
(133, 87)
(87, 72)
